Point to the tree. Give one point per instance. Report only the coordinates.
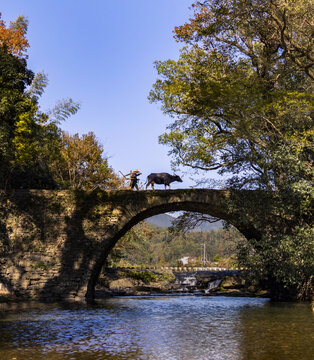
(13, 38)
(256, 29)
(133, 248)
(147, 244)
(241, 95)
(14, 78)
(82, 165)
(29, 138)
(233, 96)
(34, 152)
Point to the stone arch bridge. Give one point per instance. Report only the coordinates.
(54, 243)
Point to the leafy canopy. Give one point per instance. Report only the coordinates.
(14, 37)
(236, 94)
(82, 164)
(241, 96)
(34, 153)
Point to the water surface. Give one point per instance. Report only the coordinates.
(163, 328)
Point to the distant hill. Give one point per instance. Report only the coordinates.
(162, 220)
(165, 220)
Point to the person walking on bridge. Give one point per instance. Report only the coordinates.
(133, 179)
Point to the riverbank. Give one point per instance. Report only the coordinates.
(133, 282)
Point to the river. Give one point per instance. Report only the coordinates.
(159, 327)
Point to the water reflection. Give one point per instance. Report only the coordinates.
(277, 331)
(160, 328)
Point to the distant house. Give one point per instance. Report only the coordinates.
(184, 261)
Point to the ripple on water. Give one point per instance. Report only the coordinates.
(160, 328)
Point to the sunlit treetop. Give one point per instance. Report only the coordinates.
(13, 37)
(250, 28)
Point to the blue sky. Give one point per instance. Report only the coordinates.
(101, 53)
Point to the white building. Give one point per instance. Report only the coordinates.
(184, 260)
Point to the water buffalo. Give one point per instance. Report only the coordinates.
(161, 178)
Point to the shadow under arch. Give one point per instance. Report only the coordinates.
(190, 206)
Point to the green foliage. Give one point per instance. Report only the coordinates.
(284, 263)
(27, 138)
(38, 86)
(217, 258)
(33, 151)
(227, 119)
(82, 165)
(241, 94)
(63, 109)
(149, 245)
(147, 276)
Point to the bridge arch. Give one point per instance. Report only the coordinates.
(210, 202)
(57, 241)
